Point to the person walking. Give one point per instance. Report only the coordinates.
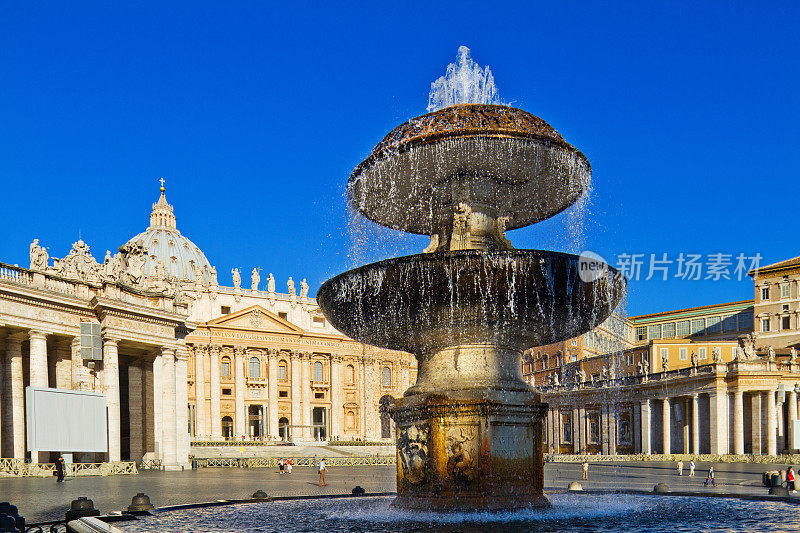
(59, 469)
(280, 465)
(585, 470)
(710, 477)
(691, 468)
(288, 466)
(680, 467)
(323, 469)
(790, 486)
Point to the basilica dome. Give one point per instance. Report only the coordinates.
(180, 257)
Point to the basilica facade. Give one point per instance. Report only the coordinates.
(179, 356)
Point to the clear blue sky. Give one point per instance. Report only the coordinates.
(255, 114)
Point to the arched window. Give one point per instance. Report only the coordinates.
(349, 375)
(318, 371)
(255, 367)
(387, 377)
(225, 368)
(350, 420)
(227, 427)
(282, 423)
(282, 371)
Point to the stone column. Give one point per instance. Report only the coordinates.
(305, 392)
(738, 422)
(636, 430)
(272, 371)
(695, 423)
(666, 426)
(38, 360)
(772, 429)
(755, 427)
(151, 396)
(612, 429)
(201, 415)
(168, 414)
(76, 363)
(719, 421)
(791, 397)
(158, 405)
(13, 399)
(582, 428)
(645, 408)
(781, 429)
(216, 408)
(371, 385)
(239, 388)
(297, 414)
(111, 390)
(136, 407)
(337, 410)
(604, 429)
(576, 430)
(182, 406)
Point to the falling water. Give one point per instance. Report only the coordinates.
(464, 83)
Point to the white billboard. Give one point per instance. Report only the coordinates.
(61, 420)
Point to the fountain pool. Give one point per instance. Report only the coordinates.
(570, 512)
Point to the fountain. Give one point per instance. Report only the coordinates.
(470, 429)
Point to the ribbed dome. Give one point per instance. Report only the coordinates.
(163, 242)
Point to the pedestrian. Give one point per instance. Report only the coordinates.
(280, 465)
(323, 469)
(710, 477)
(288, 466)
(680, 467)
(585, 470)
(59, 469)
(691, 468)
(790, 486)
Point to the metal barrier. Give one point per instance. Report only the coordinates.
(152, 464)
(272, 462)
(18, 467)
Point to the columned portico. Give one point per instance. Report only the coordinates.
(13, 431)
(738, 422)
(772, 443)
(695, 423)
(791, 397)
(201, 417)
(168, 413)
(214, 393)
(755, 423)
(645, 431)
(181, 407)
(38, 359)
(665, 426)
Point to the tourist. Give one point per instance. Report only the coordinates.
(680, 467)
(59, 469)
(280, 465)
(322, 470)
(691, 468)
(585, 470)
(790, 480)
(710, 477)
(288, 466)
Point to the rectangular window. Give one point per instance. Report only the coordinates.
(319, 321)
(714, 324)
(785, 290)
(785, 322)
(641, 333)
(682, 328)
(282, 372)
(91, 344)
(574, 357)
(225, 370)
(684, 354)
(703, 353)
(654, 331)
(283, 394)
(745, 321)
(785, 308)
(765, 324)
(319, 395)
(669, 330)
(764, 293)
(594, 428)
(729, 323)
(283, 315)
(698, 325)
(226, 392)
(664, 354)
(225, 310)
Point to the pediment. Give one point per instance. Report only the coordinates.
(255, 318)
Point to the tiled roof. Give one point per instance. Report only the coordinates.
(795, 261)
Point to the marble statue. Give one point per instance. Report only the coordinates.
(303, 290)
(290, 286)
(582, 375)
(770, 353)
(695, 359)
(213, 275)
(792, 355)
(716, 354)
(646, 366)
(237, 278)
(665, 363)
(39, 256)
(255, 279)
(748, 345)
(612, 373)
(271, 283)
(639, 369)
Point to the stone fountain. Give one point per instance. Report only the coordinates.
(470, 430)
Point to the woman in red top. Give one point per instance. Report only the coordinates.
(790, 479)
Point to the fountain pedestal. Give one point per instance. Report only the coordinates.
(470, 449)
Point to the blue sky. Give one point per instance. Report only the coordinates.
(255, 114)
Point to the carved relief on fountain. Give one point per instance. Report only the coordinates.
(463, 447)
(412, 449)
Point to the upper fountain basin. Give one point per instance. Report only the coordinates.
(426, 302)
(505, 160)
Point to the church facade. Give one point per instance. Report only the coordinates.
(179, 356)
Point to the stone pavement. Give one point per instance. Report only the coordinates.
(41, 499)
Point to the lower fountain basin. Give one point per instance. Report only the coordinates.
(424, 303)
